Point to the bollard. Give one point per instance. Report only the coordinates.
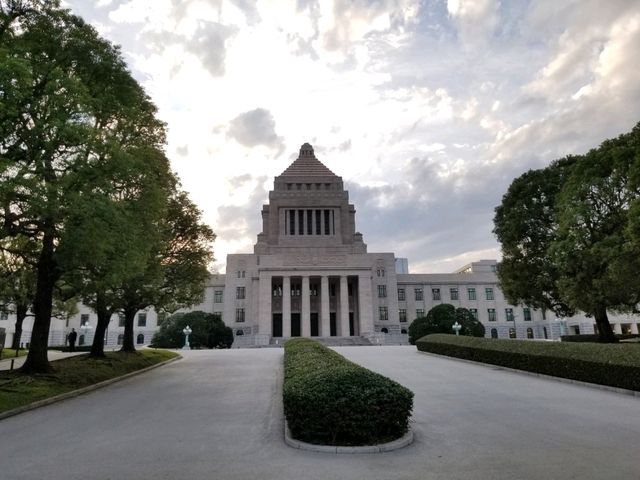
(12, 360)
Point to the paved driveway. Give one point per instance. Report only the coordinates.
(218, 415)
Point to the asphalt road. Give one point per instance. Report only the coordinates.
(218, 415)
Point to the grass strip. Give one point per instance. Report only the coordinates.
(9, 353)
(73, 373)
(615, 365)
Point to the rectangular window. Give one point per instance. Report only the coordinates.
(327, 224)
(295, 290)
(382, 291)
(142, 319)
(313, 290)
(418, 293)
(402, 313)
(492, 314)
(474, 312)
(318, 222)
(277, 290)
(384, 314)
(489, 293)
(121, 320)
(401, 294)
(419, 313)
(217, 296)
(4, 316)
(240, 293)
(435, 292)
(454, 293)
(84, 319)
(471, 292)
(292, 222)
(509, 314)
(526, 313)
(300, 222)
(240, 315)
(309, 222)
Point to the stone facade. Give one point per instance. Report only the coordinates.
(311, 275)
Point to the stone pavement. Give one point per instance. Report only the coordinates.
(218, 414)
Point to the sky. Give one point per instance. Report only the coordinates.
(427, 109)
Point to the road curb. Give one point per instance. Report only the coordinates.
(401, 442)
(81, 391)
(597, 386)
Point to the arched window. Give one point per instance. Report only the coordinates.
(529, 332)
(404, 331)
(239, 332)
(140, 339)
(494, 333)
(385, 330)
(512, 333)
(120, 339)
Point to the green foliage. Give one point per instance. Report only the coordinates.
(441, 318)
(208, 330)
(331, 401)
(570, 234)
(594, 338)
(616, 365)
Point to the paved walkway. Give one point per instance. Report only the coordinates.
(218, 415)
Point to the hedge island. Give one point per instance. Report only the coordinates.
(615, 365)
(329, 400)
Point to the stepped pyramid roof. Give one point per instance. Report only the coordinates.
(307, 165)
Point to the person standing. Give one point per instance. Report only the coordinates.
(73, 335)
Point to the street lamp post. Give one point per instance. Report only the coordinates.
(187, 331)
(456, 328)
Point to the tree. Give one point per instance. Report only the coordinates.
(208, 330)
(176, 271)
(440, 319)
(62, 120)
(571, 245)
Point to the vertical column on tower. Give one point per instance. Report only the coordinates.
(286, 307)
(366, 304)
(306, 308)
(324, 307)
(344, 308)
(264, 304)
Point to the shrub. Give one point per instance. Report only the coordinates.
(329, 400)
(595, 337)
(208, 330)
(616, 365)
(440, 319)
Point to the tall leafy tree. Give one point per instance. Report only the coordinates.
(176, 271)
(63, 120)
(568, 236)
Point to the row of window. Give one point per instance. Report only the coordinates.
(142, 319)
(309, 222)
(383, 314)
(454, 294)
(308, 186)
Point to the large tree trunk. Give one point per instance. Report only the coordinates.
(605, 332)
(104, 315)
(37, 361)
(129, 316)
(21, 314)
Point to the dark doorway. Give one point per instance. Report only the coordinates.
(352, 330)
(277, 325)
(295, 324)
(332, 324)
(315, 330)
(494, 333)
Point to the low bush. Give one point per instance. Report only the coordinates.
(329, 400)
(441, 318)
(208, 330)
(616, 365)
(595, 338)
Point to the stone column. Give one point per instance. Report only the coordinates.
(264, 304)
(286, 307)
(305, 318)
(343, 330)
(324, 307)
(366, 304)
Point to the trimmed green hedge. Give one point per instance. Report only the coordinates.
(329, 400)
(595, 338)
(616, 365)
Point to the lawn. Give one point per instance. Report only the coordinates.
(11, 353)
(73, 373)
